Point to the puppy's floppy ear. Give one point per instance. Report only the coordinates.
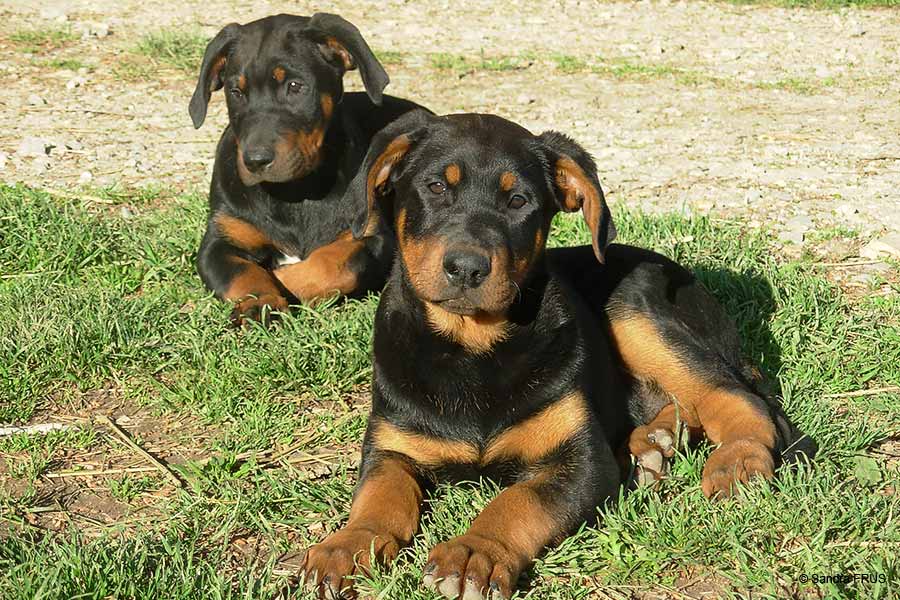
(372, 180)
(574, 179)
(210, 78)
(340, 40)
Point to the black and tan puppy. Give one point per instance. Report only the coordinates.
(278, 227)
(495, 358)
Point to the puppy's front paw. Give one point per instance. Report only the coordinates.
(329, 566)
(735, 462)
(261, 308)
(471, 567)
(651, 447)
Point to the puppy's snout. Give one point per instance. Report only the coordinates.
(466, 268)
(258, 158)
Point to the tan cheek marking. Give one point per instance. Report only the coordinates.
(278, 74)
(542, 433)
(453, 174)
(476, 333)
(507, 181)
(242, 83)
(423, 449)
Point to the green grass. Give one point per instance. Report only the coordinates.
(95, 301)
(465, 64)
(178, 48)
(70, 64)
(42, 40)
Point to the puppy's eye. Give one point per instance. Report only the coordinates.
(294, 87)
(517, 201)
(236, 92)
(437, 188)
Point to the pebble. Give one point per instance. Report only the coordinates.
(75, 82)
(85, 177)
(792, 236)
(97, 30)
(846, 210)
(52, 13)
(888, 245)
(34, 147)
(800, 222)
(35, 100)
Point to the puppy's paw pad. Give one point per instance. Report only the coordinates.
(736, 463)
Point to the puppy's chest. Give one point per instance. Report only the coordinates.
(523, 442)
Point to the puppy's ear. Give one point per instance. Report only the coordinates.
(379, 169)
(573, 176)
(340, 41)
(210, 78)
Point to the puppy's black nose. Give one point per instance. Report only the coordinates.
(466, 268)
(257, 159)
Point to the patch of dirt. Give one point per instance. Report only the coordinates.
(781, 117)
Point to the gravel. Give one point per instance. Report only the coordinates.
(789, 119)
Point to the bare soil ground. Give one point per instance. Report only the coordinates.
(785, 117)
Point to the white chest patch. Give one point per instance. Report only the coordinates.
(287, 259)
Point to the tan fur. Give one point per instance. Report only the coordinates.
(253, 280)
(378, 175)
(722, 415)
(541, 434)
(325, 272)
(241, 233)
(476, 333)
(278, 74)
(423, 449)
(343, 53)
(581, 193)
(507, 181)
(453, 174)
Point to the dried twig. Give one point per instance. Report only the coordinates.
(97, 472)
(39, 428)
(871, 392)
(161, 466)
(848, 264)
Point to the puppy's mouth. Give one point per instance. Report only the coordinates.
(459, 306)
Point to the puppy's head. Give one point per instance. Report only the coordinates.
(283, 77)
(471, 198)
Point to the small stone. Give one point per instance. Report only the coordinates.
(74, 145)
(752, 197)
(75, 82)
(126, 212)
(846, 210)
(85, 177)
(525, 99)
(863, 279)
(40, 164)
(886, 246)
(54, 14)
(35, 100)
(791, 236)
(34, 147)
(99, 29)
(800, 222)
